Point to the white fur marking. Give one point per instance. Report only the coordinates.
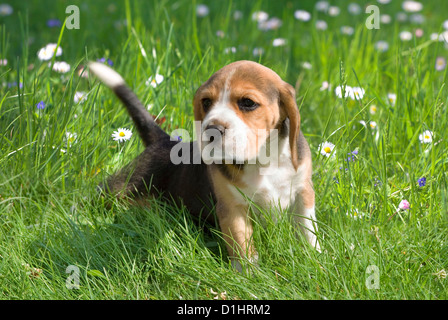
(107, 75)
(235, 139)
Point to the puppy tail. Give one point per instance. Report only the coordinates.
(148, 130)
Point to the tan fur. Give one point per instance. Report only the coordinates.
(232, 216)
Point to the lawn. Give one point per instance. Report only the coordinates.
(373, 104)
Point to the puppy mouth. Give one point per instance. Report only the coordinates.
(222, 149)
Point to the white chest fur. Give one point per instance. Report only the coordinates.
(277, 186)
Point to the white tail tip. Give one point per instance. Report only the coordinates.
(107, 75)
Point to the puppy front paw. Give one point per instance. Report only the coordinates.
(245, 265)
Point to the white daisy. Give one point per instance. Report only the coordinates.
(122, 134)
(302, 15)
(417, 18)
(325, 86)
(334, 11)
(392, 97)
(80, 97)
(382, 46)
(426, 137)
(347, 30)
(373, 109)
(306, 65)
(321, 25)
(355, 214)
(405, 36)
(356, 93)
(443, 36)
(272, 24)
(230, 50)
(5, 9)
(326, 148)
(202, 10)
(412, 6)
(237, 15)
(401, 17)
(354, 8)
(445, 24)
(373, 125)
(260, 16)
(322, 6)
(154, 82)
(385, 18)
(279, 42)
(70, 137)
(47, 52)
(258, 51)
(220, 34)
(434, 36)
(60, 66)
(338, 91)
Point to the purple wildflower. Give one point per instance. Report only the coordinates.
(40, 105)
(53, 23)
(377, 182)
(422, 182)
(14, 84)
(104, 60)
(352, 156)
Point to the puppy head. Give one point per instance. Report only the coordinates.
(239, 105)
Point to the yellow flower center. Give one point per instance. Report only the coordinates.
(427, 137)
(121, 134)
(327, 149)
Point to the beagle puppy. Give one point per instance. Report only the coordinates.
(251, 154)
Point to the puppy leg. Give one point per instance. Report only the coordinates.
(305, 216)
(237, 232)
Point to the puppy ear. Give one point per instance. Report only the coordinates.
(290, 110)
(197, 108)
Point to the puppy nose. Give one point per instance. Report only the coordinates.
(218, 127)
(210, 131)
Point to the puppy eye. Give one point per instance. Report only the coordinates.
(206, 104)
(247, 104)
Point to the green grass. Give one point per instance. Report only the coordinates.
(51, 216)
